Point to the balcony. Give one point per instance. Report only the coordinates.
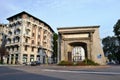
(39, 46)
(8, 45)
(12, 44)
(11, 51)
(45, 41)
(9, 36)
(45, 46)
(28, 28)
(33, 45)
(18, 21)
(27, 35)
(16, 42)
(18, 27)
(50, 49)
(17, 34)
(10, 33)
(45, 34)
(16, 50)
(27, 43)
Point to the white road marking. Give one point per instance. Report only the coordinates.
(82, 72)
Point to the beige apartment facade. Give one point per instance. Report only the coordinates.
(3, 30)
(28, 39)
(79, 43)
(1, 34)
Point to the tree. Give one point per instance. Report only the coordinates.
(3, 52)
(117, 29)
(117, 33)
(111, 47)
(55, 37)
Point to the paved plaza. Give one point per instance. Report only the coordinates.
(53, 72)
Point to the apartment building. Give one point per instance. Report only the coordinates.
(28, 39)
(3, 30)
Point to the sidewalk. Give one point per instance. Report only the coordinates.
(55, 66)
(9, 65)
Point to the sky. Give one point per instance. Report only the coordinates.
(67, 13)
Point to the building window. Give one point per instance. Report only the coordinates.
(39, 29)
(32, 41)
(31, 58)
(12, 48)
(27, 31)
(24, 57)
(32, 49)
(38, 36)
(28, 24)
(38, 43)
(17, 48)
(33, 34)
(44, 37)
(38, 50)
(25, 48)
(10, 33)
(26, 40)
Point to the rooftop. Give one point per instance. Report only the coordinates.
(78, 27)
(30, 16)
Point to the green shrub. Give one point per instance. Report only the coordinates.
(90, 62)
(68, 63)
(80, 63)
(0, 62)
(65, 63)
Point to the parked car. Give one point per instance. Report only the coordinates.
(35, 63)
(27, 63)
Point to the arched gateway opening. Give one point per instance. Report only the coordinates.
(78, 52)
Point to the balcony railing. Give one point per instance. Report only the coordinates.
(45, 41)
(14, 21)
(34, 45)
(27, 43)
(45, 34)
(28, 28)
(27, 35)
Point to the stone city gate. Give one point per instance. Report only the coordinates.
(78, 43)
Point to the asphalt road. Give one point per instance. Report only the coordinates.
(59, 73)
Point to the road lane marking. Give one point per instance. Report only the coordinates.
(82, 72)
